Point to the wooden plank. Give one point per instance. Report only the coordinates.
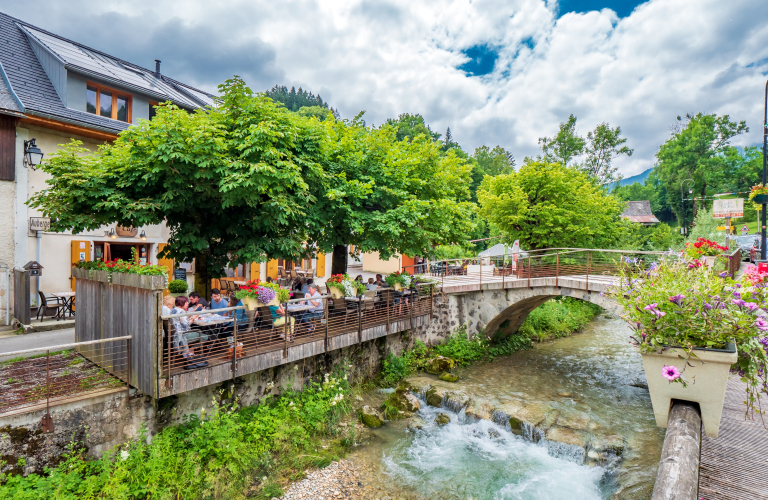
(678, 474)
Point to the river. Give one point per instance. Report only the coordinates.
(591, 385)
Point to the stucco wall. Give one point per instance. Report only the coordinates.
(7, 197)
(373, 263)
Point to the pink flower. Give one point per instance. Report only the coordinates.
(670, 372)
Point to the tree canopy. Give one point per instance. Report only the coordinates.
(547, 205)
(408, 126)
(250, 180)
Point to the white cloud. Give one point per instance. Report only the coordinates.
(667, 58)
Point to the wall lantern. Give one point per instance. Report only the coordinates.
(32, 154)
(143, 236)
(112, 234)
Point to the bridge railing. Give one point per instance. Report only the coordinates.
(549, 262)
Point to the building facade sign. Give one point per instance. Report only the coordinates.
(722, 209)
(39, 224)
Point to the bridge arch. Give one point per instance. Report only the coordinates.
(500, 313)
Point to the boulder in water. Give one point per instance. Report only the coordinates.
(567, 436)
(611, 444)
(442, 419)
(479, 409)
(434, 399)
(439, 364)
(415, 423)
(449, 377)
(371, 417)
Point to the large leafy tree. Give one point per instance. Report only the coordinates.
(564, 147)
(698, 149)
(408, 126)
(603, 145)
(231, 183)
(547, 205)
(387, 195)
(494, 161)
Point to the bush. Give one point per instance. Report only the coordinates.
(178, 286)
(216, 455)
(557, 318)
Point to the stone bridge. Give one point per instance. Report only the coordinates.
(499, 307)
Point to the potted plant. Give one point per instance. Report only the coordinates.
(398, 280)
(178, 288)
(341, 285)
(704, 249)
(254, 294)
(759, 195)
(692, 326)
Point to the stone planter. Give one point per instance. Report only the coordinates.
(709, 260)
(398, 287)
(707, 379)
(252, 303)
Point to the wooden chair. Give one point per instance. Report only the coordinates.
(55, 306)
(294, 274)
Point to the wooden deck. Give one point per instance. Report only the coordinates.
(735, 465)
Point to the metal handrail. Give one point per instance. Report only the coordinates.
(64, 346)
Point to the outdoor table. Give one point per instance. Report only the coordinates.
(215, 326)
(68, 298)
(239, 283)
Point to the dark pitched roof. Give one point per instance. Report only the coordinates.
(38, 95)
(639, 211)
(9, 104)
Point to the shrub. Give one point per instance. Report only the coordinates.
(178, 286)
(557, 318)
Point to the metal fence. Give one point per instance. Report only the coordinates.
(203, 339)
(40, 378)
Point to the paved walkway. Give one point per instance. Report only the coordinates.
(735, 465)
(34, 340)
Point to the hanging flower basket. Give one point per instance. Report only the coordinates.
(760, 199)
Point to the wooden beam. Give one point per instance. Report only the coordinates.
(68, 127)
(678, 475)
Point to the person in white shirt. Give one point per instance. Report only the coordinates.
(371, 285)
(317, 309)
(168, 303)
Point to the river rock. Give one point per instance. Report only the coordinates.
(415, 423)
(439, 364)
(538, 414)
(434, 399)
(420, 384)
(411, 402)
(403, 400)
(479, 409)
(442, 419)
(573, 419)
(449, 377)
(568, 436)
(611, 443)
(371, 417)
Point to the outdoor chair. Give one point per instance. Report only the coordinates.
(52, 305)
(294, 274)
(368, 301)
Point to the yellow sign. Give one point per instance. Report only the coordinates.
(723, 228)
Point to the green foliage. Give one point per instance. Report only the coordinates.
(658, 237)
(318, 112)
(565, 146)
(218, 454)
(546, 205)
(603, 145)
(295, 100)
(178, 286)
(496, 161)
(461, 348)
(700, 149)
(408, 126)
(653, 190)
(558, 317)
(705, 226)
(121, 266)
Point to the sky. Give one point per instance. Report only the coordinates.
(497, 72)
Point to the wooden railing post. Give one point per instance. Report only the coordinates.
(47, 424)
(128, 376)
(503, 271)
(234, 341)
(529, 270)
(589, 262)
(286, 330)
(389, 294)
(359, 320)
(325, 315)
(557, 270)
(413, 303)
(431, 301)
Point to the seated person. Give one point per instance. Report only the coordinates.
(269, 279)
(371, 285)
(380, 281)
(181, 326)
(196, 302)
(359, 278)
(278, 320)
(169, 302)
(297, 283)
(217, 301)
(242, 317)
(307, 284)
(317, 308)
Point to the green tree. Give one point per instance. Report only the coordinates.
(546, 205)
(653, 190)
(231, 183)
(408, 126)
(565, 146)
(603, 145)
(494, 161)
(296, 99)
(698, 149)
(318, 112)
(388, 196)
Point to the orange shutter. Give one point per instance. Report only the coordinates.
(255, 270)
(320, 265)
(81, 251)
(408, 265)
(166, 263)
(272, 269)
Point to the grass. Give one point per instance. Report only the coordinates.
(557, 318)
(11, 361)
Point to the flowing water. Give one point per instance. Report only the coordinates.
(592, 382)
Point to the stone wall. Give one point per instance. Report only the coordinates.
(101, 423)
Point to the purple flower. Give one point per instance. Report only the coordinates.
(677, 299)
(737, 285)
(761, 325)
(739, 302)
(725, 274)
(707, 306)
(651, 307)
(670, 372)
(751, 306)
(737, 295)
(716, 297)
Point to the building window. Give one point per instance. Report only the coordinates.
(152, 110)
(108, 103)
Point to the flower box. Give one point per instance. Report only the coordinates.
(336, 293)
(707, 376)
(760, 199)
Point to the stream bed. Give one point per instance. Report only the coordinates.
(587, 429)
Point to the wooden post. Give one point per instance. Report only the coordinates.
(503, 270)
(359, 320)
(413, 302)
(529, 270)
(128, 377)
(234, 341)
(325, 315)
(589, 261)
(285, 331)
(678, 475)
(389, 294)
(431, 301)
(557, 270)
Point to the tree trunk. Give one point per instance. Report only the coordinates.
(202, 276)
(339, 262)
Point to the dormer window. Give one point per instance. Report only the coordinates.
(109, 103)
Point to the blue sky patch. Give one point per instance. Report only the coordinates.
(623, 8)
(481, 60)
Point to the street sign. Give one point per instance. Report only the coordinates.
(728, 208)
(39, 224)
(724, 228)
